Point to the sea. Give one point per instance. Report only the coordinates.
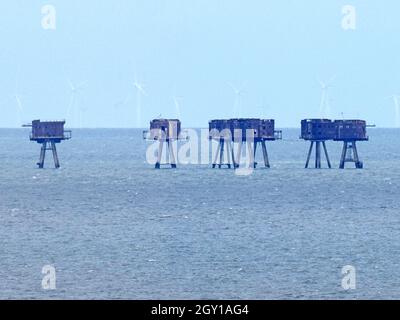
(113, 227)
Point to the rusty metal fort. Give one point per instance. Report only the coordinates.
(48, 134)
(229, 133)
(318, 131)
(252, 132)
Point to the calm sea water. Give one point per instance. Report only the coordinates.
(114, 227)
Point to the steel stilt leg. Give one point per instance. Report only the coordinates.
(159, 155)
(229, 152)
(239, 154)
(42, 155)
(343, 157)
(250, 154)
(216, 154)
(171, 153)
(309, 154)
(318, 155)
(326, 155)
(233, 154)
(359, 164)
(265, 154)
(221, 154)
(55, 156)
(254, 154)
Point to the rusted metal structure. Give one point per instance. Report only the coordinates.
(220, 131)
(317, 131)
(164, 131)
(242, 132)
(350, 131)
(48, 134)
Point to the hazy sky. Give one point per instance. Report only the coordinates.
(193, 49)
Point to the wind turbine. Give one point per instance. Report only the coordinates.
(16, 98)
(325, 107)
(122, 102)
(20, 110)
(82, 115)
(396, 101)
(177, 106)
(139, 93)
(177, 103)
(74, 91)
(237, 110)
(262, 108)
(123, 106)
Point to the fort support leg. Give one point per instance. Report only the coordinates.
(350, 154)
(221, 154)
(232, 144)
(172, 154)
(250, 154)
(318, 155)
(254, 154)
(359, 164)
(239, 154)
(159, 155)
(265, 154)
(229, 152)
(343, 157)
(55, 156)
(326, 155)
(216, 154)
(309, 154)
(42, 155)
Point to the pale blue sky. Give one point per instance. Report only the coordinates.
(278, 48)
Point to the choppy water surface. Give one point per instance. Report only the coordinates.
(116, 228)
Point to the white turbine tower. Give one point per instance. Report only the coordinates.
(15, 99)
(262, 107)
(237, 106)
(139, 93)
(18, 103)
(20, 110)
(74, 111)
(325, 107)
(17, 96)
(396, 100)
(177, 103)
(121, 103)
(177, 106)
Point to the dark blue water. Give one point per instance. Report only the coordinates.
(114, 227)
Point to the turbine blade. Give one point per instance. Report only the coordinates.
(142, 91)
(82, 84)
(70, 105)
(331, 79)
(233, 87)
(19, 104)
(16, 79)
(244, 84)
(140, 88)
(71, 85)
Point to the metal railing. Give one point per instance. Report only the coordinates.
(278, 134)
(159, 134)
(66, 136)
